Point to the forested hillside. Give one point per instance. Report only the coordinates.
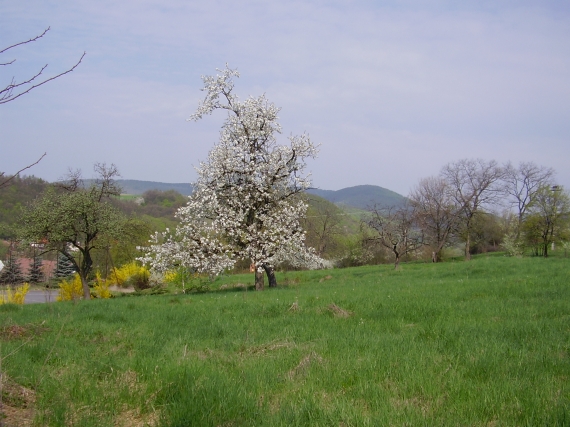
(361, 196)
(14, 197)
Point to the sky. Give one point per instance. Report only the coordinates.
(390, 90)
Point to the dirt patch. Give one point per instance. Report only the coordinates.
(329, 277)
(17, 404)
(339, 312)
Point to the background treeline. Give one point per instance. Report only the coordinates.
(471, 206)
(478, 205)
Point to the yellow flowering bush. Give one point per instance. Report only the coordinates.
(121, 276)
(170, 276)
(16, 296)
(101, 287)
(70, 289)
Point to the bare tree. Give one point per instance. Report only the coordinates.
(396, 229)
(15, 89)
(473, 184)
(436, 213)
(522, 182)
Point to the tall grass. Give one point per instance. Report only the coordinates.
(480, 343)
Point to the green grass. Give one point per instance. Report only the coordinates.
(480, 343)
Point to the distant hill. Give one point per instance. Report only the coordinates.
(133, 186)
(361, 196)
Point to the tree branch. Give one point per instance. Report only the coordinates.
(7, 180)
(7, 92)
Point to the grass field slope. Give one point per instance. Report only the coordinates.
(480, 343)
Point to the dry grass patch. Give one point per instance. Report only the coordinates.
(133, 418)
(294, 306)
(14, 332)
(301, 369)
(16, 404)
(420, 404)
(268, 347)
(339, 312)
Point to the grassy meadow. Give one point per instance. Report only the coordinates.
(480, 343)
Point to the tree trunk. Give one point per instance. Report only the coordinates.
(270, 271)
(467, 248)
(397, 255)
(86, 291)
(259, 280)
(85, 268)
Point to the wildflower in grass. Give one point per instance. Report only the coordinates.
(16, 296)
(70, 289)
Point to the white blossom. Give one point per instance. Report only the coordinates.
(246, 202)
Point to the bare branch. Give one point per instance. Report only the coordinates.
(10, 97)
(27, 41)
(7, 180)
(7, 93)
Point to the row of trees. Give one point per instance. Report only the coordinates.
(12, 274)
(249, 204)
(455, 206)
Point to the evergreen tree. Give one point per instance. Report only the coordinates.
(64, 267)
(36, 274)
(12, 272)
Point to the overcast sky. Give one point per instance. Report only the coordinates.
(391, 90)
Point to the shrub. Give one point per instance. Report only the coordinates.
(512, 246)
(16, 296)
(70, 289)
(101, 287)
(140, 280)
(130, 274)
(186, 279)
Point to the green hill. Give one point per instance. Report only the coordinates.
(361, 196)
